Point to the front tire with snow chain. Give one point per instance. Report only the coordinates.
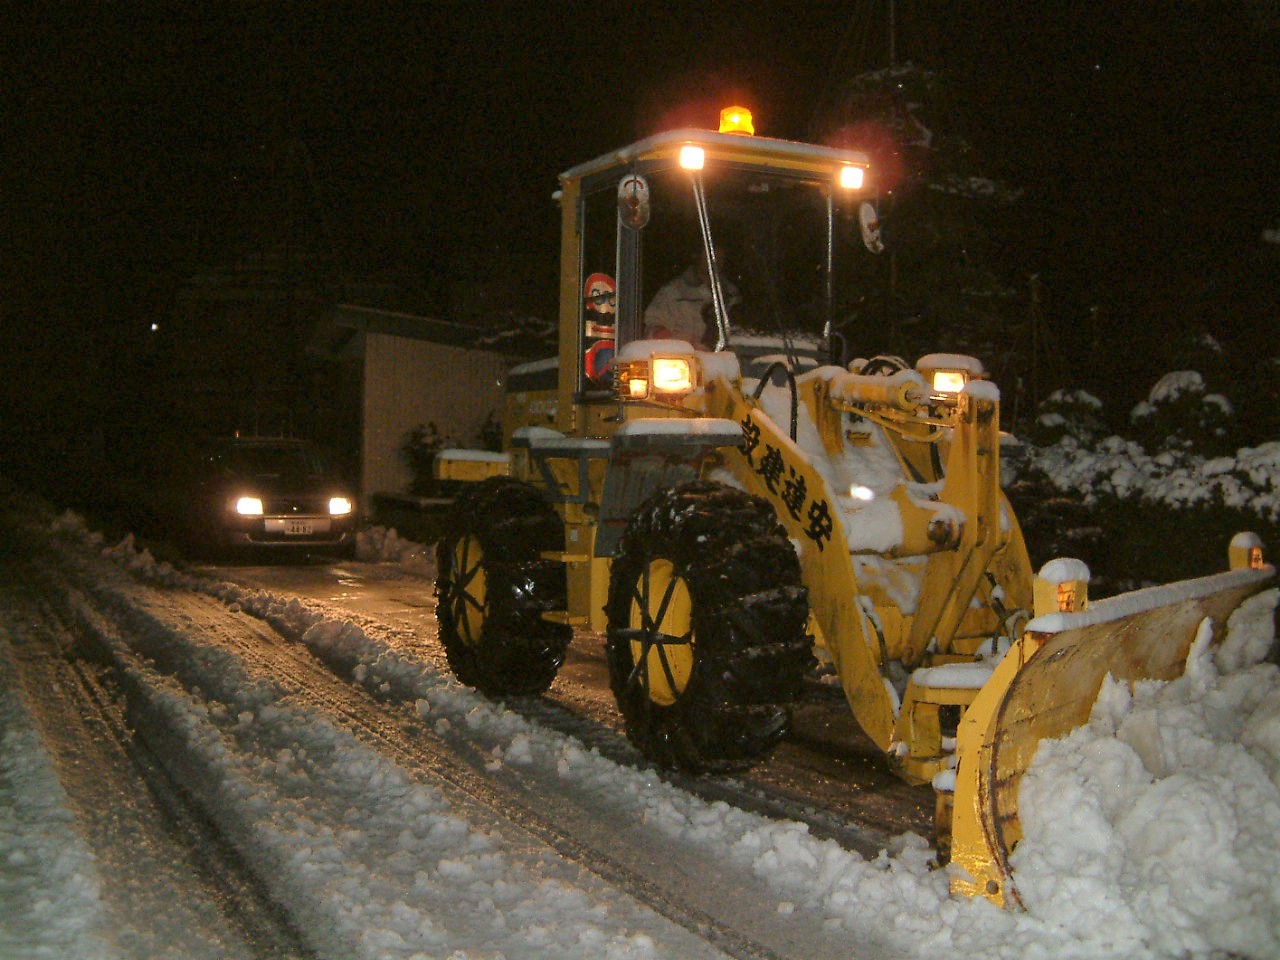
(492, 587)
(706, 643)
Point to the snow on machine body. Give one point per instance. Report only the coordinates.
(724, 508)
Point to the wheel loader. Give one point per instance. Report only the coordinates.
(746, 508)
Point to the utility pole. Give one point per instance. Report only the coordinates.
(1035, 340)
(893, 40)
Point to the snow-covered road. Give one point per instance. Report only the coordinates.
(404, 816)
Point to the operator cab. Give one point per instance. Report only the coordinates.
(723, 240)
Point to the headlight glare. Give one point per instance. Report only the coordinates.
(692, 157)
(249, 507)
(339, 506)
(851, 177)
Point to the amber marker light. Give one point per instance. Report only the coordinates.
(736, 120)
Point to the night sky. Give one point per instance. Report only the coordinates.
(145, 142)
(431, 133)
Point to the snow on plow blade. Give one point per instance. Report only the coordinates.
(1046, 686)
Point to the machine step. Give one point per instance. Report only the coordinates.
(563, 616)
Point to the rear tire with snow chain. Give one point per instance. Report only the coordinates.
(492, 587)
(706, 640)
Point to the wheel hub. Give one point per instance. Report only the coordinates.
(661, 618)
(467, 599)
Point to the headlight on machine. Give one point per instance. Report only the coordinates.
(655, 377)
(339, 506)
(249, 507)
(948, 374)
(672, 375)
(948, 381)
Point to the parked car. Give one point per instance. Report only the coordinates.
(269, 493)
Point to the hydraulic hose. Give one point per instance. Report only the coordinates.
(791, 382)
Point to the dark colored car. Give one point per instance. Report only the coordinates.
(270, 492)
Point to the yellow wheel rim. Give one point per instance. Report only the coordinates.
(468, 597)
(662, 628)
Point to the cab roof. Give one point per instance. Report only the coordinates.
(725, 146)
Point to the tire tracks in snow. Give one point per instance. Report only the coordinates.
(757, 924)
(101, 612)
(414, 747)
(124, 792)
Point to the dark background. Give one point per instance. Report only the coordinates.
(405, 155)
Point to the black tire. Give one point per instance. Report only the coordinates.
(492, 588)
(706, 681)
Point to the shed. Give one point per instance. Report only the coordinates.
(404, 371)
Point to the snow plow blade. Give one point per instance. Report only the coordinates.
(1046, 686)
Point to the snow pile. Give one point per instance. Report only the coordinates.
(384, 545)
(1161, 816)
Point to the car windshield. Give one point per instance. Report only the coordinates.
(271, 460)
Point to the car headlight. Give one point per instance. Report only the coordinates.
(249, 507)
(339, 506)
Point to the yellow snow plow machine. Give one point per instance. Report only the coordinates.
(725, 507)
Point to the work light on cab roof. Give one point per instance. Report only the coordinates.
(852, 176)
(692, 157)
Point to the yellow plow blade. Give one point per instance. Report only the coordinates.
(1046, 686)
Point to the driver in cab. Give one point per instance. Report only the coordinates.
(682, 309)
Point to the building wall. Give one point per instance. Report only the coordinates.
(408, 383)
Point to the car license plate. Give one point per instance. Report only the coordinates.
(294, 528)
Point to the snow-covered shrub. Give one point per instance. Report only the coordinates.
(1260, 467)
(1069, 413)
(1258, 400)
(1180, 415)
